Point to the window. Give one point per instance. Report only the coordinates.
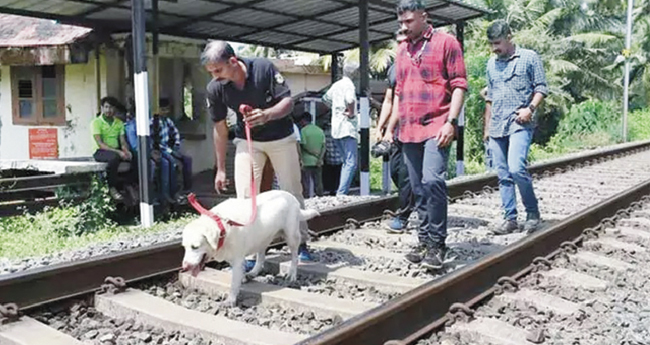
(37, 95)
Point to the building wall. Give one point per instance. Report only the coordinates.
(81, 99)
(81, 106)
(301, 82)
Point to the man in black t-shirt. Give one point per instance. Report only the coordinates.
(398, 172)
(257, 83)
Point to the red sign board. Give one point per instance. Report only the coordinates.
(43, 143)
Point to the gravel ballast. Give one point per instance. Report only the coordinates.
(92, 327)
(131, 242)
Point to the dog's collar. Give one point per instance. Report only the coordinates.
(222, 229)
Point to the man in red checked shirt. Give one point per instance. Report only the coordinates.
(431, 83)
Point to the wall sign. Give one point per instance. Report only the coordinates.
(43, 143)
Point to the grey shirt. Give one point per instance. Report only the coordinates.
(512, 82)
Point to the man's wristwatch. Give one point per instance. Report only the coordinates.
(453, 121)
(532, 107)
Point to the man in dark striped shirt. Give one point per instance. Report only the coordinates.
(431, 84)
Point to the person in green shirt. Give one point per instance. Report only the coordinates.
(109, 143)
(312, 149)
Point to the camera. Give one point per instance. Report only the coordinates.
(381, 148)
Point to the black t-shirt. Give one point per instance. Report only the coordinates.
(264, 88)
(391, 77)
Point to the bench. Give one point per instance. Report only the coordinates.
(32, 185)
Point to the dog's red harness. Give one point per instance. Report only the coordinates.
(244, 108)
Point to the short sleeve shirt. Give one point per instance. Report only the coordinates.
(264, 88)
(340, 95)
(313, 145)
(108, 132)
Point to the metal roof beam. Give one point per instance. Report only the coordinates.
(312, 17)
(232, 7)
(342, 31)
(100, 7)
(267, 44)
(295, 16)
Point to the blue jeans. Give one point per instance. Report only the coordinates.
(509, 156)
(167, 175)
(427, 169)
(348, 149)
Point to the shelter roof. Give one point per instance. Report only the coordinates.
(322, 26)
(17, 31)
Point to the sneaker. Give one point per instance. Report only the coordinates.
(117, 196)
(417, 254)
(303, 253)
(532, 224)
(248, 265)
(509, 226)
(435, 257)
(396, 226)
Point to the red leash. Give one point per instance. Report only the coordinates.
(244, 108)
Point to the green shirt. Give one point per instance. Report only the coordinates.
(109, 132)
(312, 145)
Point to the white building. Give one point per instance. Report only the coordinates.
(52, 77)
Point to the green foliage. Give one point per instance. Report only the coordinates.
(475, 105)
(589, 123)
(639, 125)
(68, 219)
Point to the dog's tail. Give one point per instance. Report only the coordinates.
(308, 214)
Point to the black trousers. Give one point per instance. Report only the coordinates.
(400, 176)
(331, 177)
(113, 160)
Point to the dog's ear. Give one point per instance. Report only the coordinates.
(212, 233)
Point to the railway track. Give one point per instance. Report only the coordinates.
(359, 291)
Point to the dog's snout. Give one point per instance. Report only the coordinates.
(185, 267)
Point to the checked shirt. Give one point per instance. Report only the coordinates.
(427, 72)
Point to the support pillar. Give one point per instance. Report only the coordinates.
(334, 69)
(460, 140)
(364, 103)
(141, 90)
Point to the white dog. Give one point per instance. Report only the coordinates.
(276, 211)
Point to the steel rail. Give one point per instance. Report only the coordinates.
(33, 288)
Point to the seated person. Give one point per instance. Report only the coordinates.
(132, 140)
(312, 153)
(110, 147)
(167, 143)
